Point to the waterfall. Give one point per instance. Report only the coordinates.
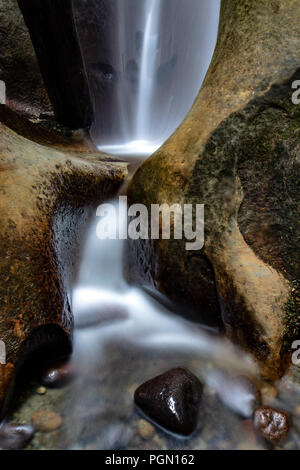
(161, 55)
(146, 62)
(146, 82)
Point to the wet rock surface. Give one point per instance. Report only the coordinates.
(15, 436)
(48, 192)
(240, 157)
(172, 400)
(272, 424)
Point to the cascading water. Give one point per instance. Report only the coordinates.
(148, 59)
(119, 326)
(120, 329)
(146, 64)
(144, 78)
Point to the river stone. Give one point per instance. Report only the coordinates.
(271, 423)
(46, 421)
(237, 152)
(15, 436)
(59, 374)
(50, 186)
(172, 400)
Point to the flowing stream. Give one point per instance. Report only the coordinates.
(144, 77)
(123, 336)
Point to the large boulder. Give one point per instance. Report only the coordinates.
(49, 186)
(237, 152)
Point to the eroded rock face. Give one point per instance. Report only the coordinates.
(172, 400)
(237, 152)
(49, 186)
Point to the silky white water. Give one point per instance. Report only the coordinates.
(173, 43)
(146, 63)
(148, 58)
(109, 313)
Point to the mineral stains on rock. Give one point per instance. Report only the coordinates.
(272, 424)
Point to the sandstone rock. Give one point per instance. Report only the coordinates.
(49, 187)
(46, 421)
(172, 400)
(15, 436)
(272, 424)
(237, 152)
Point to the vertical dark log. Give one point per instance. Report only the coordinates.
(54, 36)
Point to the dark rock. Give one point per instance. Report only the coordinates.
(272, 424)
(172, 400)
(19, 69)
(15, 436)
(59, 374)
(53, 32)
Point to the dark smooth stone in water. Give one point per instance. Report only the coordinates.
(272, 424)
(172, 400)
(15, 436)
(58, 375)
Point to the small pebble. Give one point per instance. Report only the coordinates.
(268, 393)
(145, 429)
(15, 436)
(46, 421)
(41, 390)
(272, 424)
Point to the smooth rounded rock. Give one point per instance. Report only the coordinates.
(272, 424)
(172, 400)
(46, 421)
(145, 429)
(58, 375)
(15, 436)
